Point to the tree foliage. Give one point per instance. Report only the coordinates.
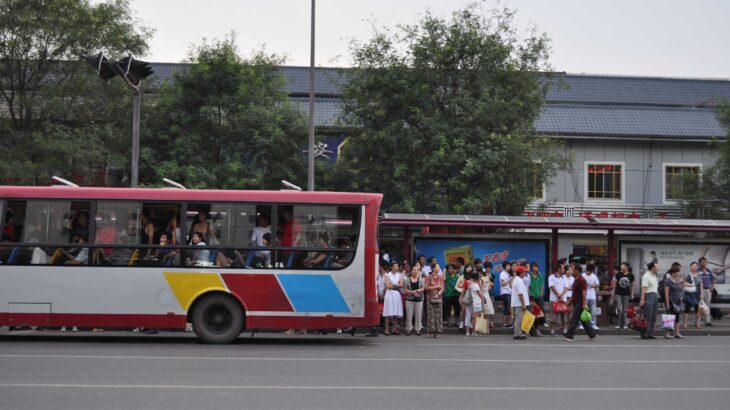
(441, 115)
(55, 116)
(225, 123)
(708, 197)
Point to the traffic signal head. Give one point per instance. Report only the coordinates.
(103, 67)
(135, 70)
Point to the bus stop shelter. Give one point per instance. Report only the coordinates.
(555, 225)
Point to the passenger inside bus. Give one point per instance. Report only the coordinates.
(318, 259)
(165, 255)
(200, 257)
(106, 233)
(79, 225)
(80, 258)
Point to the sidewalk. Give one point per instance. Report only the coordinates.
(718, 328)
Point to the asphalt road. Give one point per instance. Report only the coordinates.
(121, 371)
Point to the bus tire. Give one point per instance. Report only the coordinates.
(217, 319)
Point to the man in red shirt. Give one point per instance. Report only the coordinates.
(579, 303)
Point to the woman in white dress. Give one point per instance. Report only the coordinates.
(393, 303)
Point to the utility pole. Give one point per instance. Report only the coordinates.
(136, 103)
(310, 159)
(132, 71)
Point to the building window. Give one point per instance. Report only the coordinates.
(676, 177)
(534, 181)
(605, 181)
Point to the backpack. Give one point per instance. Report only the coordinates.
(660, 289)
(497, 286)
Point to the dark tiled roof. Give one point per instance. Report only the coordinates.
(595, 89)
(577, 105)
(664, 122)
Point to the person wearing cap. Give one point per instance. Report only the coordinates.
(520, 301)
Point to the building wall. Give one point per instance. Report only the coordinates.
(643, 164)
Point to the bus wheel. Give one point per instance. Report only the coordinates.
(217, 319)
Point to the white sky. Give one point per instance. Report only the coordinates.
(635, 37)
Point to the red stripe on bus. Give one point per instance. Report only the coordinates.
(93, 320)
(258, 292)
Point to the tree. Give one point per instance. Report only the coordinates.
(225, 123)
(708, 197)
(441, 116)
(52, 104)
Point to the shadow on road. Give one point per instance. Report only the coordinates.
(133, 338)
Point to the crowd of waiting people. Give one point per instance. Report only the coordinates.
(463, 294)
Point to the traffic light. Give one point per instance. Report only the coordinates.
(104, 68)
(135, 70)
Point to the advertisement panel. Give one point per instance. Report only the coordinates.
(638, 254)
(447, 250)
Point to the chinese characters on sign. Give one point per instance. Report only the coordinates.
(598, 214)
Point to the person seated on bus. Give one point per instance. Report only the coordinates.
(82, 257)
(316, 258)
(165, 255)
(39, 257)
(261, 258)
(342, 259)
(200, 257)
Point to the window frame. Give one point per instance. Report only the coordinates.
(542, 198)
(91, 245)
(664, 177)
(587, 198)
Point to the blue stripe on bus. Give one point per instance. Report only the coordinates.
(313, 293)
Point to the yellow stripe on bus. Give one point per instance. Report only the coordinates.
(187, 286)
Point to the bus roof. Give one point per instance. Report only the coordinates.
(196, 195)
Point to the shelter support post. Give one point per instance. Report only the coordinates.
(407, 249)
(554, 250)
(611, 253)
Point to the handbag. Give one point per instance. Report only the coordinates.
(435, 301)
(560, 307)
(481, 326)
(528, 319)
(639, 323)
(630, 312)
(668, 321)
(690, 287)
(613, 309)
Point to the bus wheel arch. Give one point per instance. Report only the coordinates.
(218, 317)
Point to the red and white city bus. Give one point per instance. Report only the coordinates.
(231, 260)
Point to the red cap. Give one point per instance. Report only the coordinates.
(521, 269)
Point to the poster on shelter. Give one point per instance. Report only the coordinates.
(638, 254)
(494, 251)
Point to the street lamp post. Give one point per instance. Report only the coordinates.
(132, 71)
(310, 158)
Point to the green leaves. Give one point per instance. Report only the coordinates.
(227, 122)
(442, 112)
(54, 104)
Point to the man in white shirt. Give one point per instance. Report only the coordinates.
(520, 301)
(505, 283)
(593, 284)
(557, 284)
(427, 267)
(262, 228)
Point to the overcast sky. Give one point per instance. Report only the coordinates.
(635, 37)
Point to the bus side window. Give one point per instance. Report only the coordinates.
(327, 234)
